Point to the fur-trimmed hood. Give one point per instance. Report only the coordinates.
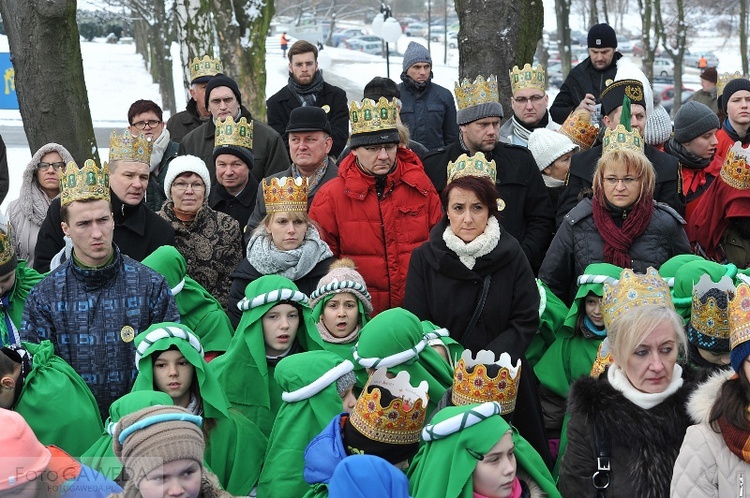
(703, 398)
(535, 490)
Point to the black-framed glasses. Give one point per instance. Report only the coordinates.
(151, 123)
(45, 166)
(525, 100)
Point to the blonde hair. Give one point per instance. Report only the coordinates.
(630, 329)
(293, 216)
(403, 134)
(637, 164)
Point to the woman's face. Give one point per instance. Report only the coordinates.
(621, 186)
(340, 314)
(280, 325)
(286, 233)
(594, 310)
(173, 375)
(188, 192)
(178, 478)
(467, 214)
(48, 175)
(494, 475)
(649, 368)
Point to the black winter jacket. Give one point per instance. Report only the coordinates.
(429, 115)
(184, 122)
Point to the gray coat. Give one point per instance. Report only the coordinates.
(578, 243)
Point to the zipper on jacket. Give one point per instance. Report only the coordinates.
(741, 484)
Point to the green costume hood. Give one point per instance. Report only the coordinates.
(688, 275)
(592, 280)
(552, 313)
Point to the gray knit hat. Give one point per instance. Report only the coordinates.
(153, 436)
(693, 120)
(658, 126)
(416, 53)
(481, 111)
(342, 277)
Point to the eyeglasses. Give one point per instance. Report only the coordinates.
(377, 148)
(627, 181)
(46, 166)
(226, 100)
(525, 100)
(182, 186)
(152, 123)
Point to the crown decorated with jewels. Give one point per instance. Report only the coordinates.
(528, 77)
(483, 379)
(739, 316)
(401, 420)
(370, 116)
(735, 171)
(87, 183)
(620, 138)
(476, 165)
(130, 147)
(285, 194)
(481, 91)
(229, 132)
(709, 316)
(634, 290)
(206, 66)
(725, 78)
(579, 128)
(603, 359)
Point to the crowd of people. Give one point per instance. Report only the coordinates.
(403, 296)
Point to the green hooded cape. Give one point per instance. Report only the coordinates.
(443, 467)
(199, 310)
(298, 422)
(26, 279)
(243, 371)
(552, 312)
(234, 445)
(100, 455)
(397, 331)
(57, 403)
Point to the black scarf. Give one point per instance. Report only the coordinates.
(687, 158)
(415, 85)
(307, 94)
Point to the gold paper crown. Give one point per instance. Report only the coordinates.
(725, 78)
(634, 290)
(579, 128)
(603, 359)
(6, 241)
(735, 171)
(129, 147)
(739, 316)
(373, 117)
(472, 383)
(482, 91)
(285, 195)
(205, 67)
(476, 165)
(230, 133)
(527, 77)
(620, 138)
(710, 310)
(80, 184)
(401, 421)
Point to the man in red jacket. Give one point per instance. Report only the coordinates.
(381, 206)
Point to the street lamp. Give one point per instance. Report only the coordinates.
(388, 29)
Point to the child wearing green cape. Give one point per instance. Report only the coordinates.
(170, 359)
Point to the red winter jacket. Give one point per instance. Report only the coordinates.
(379, 235)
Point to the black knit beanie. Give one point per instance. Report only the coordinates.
(222, 80)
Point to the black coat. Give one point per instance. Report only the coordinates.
(281, 104)
(644, 443)
(668, 188)
(184, 122)
(4, 176)
(138, 232)
(528, 215)
(239, 207)
(582, 79)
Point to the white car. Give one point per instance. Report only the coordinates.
(663, 66)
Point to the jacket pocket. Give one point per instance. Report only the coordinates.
(411, 223)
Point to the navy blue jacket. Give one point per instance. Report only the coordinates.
(430, 115)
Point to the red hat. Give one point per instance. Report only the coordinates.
(23, 457)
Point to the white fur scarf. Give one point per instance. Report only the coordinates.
(482, 245)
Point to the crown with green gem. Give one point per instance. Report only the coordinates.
(370, 116)
(620, 139)
(527, 77)
(481, 91)
(90, 182)
(476, 165)
(207, 66)
(229, 132)
(129, 147)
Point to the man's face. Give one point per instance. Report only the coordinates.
(303, 68)
(601, 58)
(376, 159)
(637, 118)
(222, 103)
(148, 124)
(308, 149)
(529, 105)
(738, 108)
(128, 180)
(481, 135)
(232, 173)
(198, 93)
(707, 86)
(90, 227)
(419, 72)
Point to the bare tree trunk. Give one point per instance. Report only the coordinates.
(674, 40)
(743, 35)
(52, 95)
(242, 26)
(562, 10)
(195, 32)
(647, 59)
(605, 11)
(593, 13)
(140, 36)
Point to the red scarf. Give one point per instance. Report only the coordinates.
(617, 240)
(737, 440)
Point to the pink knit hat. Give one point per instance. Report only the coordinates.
(22, 457)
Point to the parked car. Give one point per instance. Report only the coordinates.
(554, 75)
(340, 36)
(624, 45)
(668, 104)
(416, 29)
(667, 93)
(453, 40)
(367, 44)
(692, 59)
(437, 32)
(663, 66)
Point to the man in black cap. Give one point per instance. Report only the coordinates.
(668, 187)
(182, 123)
(735, 102)
(708, 94)
(223, 99)
(586, 81)
(310, 144)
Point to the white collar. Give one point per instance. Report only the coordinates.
(619, 381)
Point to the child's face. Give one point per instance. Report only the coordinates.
(178, 478)
(594, 309)
(340, 314)
(280, 326)
(494, 475)
(173, 375)
(559, 168)
(349, 400)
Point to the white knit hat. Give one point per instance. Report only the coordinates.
(658, 127)
(547, 146)
(186, 164)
